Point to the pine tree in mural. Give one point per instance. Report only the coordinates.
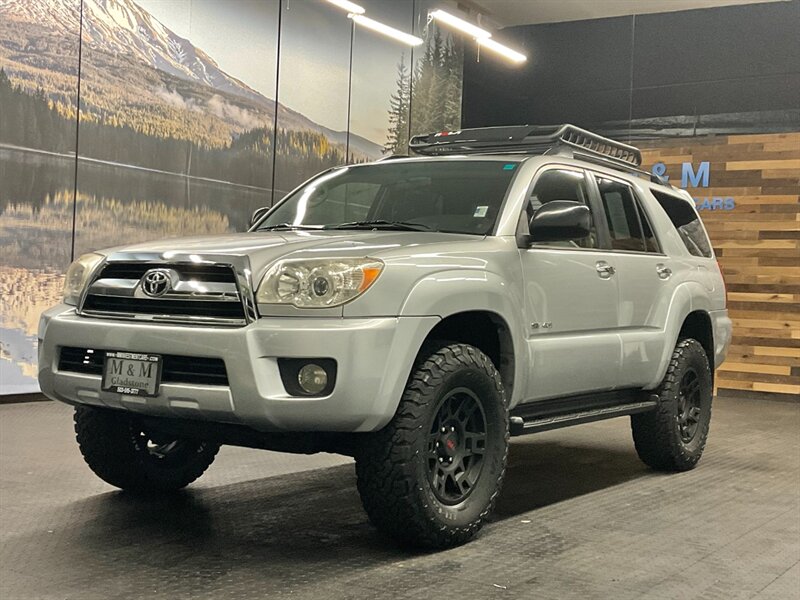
(398, 111)
(431, 96)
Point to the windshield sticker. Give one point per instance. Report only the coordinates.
(509, 166)
(480, 211)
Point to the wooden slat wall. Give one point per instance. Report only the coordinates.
(758, 247)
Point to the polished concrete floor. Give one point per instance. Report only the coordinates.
(579, 517)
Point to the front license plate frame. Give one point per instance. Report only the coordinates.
(132, 373)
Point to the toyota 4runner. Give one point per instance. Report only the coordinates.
(413, 313)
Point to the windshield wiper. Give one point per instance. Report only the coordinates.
(287, 227)
(382, 224)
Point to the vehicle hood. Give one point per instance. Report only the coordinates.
(264, 248)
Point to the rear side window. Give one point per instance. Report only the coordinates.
(685, 219)
(622, 215)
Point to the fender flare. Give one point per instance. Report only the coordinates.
(447, 293)
(687, 298)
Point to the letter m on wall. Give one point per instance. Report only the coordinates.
(690, 178)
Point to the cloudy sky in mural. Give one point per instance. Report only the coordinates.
(315, 53)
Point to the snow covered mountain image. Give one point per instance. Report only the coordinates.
(121, 26)
(136, 72)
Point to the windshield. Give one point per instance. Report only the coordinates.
(447, 196)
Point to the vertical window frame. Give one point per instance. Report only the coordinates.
(644, 217)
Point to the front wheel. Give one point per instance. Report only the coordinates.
(672, 437)
(123, 453)
(430, 478)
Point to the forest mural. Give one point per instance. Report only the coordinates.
(178, 131)
(430, 97)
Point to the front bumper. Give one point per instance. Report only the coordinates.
(374, 357)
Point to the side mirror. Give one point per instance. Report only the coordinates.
(257, 214)
(561, 221)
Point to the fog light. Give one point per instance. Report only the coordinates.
(312, 378)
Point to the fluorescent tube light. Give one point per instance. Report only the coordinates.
(391, 32)
(510, 54)
(350, 7)
(460, 24)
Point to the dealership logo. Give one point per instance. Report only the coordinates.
(697, 178)
(156, 282)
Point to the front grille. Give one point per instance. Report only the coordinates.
(197, 293)
(204, 273)
(178, 308)
(176, 369)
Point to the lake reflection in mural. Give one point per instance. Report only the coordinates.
(117, 205)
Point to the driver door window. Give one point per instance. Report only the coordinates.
(561, 184)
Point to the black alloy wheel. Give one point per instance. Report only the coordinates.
(689, 405)
(456, 446)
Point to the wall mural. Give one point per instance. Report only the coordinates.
(38, 107)
(177, 130)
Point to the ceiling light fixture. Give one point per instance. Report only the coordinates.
(350, 7)
(460, 24)
(391, 32)
(510, 54)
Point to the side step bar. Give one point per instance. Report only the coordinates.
(523, 424)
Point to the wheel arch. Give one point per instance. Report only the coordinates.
(464, 297)
(486, 330)
(697, 325)
(688, 317)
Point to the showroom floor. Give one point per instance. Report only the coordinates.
(579, 517)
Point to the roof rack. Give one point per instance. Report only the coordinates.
(565, 140)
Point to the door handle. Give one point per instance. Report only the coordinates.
(664, 272)
(604, 269)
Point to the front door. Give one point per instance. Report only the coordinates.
(571, 300)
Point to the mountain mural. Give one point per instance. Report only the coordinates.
(170, 142)
(137, 73)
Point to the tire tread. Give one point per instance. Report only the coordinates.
(385, 467)
(654, 433)
(104, 438)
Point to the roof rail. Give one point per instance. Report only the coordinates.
(527, 139)
(390, 157)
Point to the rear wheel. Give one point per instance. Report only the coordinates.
(123, 453)
(672, 437)
(430, 478)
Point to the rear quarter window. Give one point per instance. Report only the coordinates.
(684, 218)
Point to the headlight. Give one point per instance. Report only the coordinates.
(78, 276)
(318, 283)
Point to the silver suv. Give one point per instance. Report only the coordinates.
(413, 313)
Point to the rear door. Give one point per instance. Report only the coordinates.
(570, 299)
(644, 276)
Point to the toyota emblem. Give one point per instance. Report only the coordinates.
(156, 282)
